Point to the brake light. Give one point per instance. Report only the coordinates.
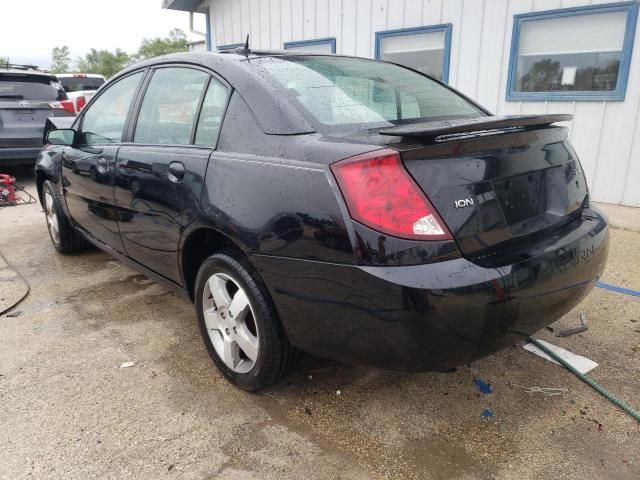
(381, 194)
(63, 105)
(80, 103)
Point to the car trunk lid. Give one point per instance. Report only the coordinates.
(497, 181)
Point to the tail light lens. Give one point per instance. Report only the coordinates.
(80, 103)
(63, 105)
(381, 194)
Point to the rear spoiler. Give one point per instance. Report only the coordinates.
(473, 125)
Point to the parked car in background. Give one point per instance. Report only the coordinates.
(80, 87)
(352, 208)
(27, 98)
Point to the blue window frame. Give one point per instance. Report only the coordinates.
(423, 59)
(301, 44)
(230, 46)
(550, 75)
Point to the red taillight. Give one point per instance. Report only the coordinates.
(80, 103)
(63, 105)
(380, 194)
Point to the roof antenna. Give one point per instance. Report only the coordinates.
(244, 50)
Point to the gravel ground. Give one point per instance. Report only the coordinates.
(68, 410)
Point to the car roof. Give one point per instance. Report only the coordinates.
(275, 114)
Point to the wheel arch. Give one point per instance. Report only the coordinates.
(199, 243)
(47, 168)
(41, 177)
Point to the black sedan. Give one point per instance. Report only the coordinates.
(351, 208)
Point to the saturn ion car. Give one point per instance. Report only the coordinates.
(350, 208)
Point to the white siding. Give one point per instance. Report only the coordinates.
(606, 135)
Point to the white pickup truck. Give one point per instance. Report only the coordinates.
(80, 87)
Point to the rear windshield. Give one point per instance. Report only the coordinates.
(26, 87)
(77, 84)
(339, 91)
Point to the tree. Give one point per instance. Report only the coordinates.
(60, 59)
(104, 62)
(542, 76)
(4, 61)
(154, 47)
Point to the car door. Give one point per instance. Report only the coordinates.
(88, 167)
(161, 169)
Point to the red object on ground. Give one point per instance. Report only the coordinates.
(7, 190)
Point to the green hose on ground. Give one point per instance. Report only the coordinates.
(598, 388)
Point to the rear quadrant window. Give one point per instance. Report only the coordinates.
(211, 114)
(169, 107)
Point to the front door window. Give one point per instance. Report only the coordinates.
(104, 120)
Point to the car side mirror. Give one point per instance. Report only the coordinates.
(61, 136)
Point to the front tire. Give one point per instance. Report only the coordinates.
(239, 324)
(64, 237)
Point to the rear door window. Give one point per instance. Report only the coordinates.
(30, 87)
(169, 107)
(104, 120)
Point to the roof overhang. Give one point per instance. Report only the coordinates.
(184, 5)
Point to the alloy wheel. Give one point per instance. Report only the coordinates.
(230, 322)
(52, 217)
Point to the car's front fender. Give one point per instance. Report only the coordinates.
(48, 167)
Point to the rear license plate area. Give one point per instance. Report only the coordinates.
(522, 197)
(535, 200)
(27, 116)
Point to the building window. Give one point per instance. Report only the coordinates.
(579, 53)
(231, 46)
(425, 49)
(321, 45)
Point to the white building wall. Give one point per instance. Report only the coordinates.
(605, 134)
(198, 46)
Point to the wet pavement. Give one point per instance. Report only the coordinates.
(69, 410)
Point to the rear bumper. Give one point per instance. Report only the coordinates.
(434, 316)
(18, 155)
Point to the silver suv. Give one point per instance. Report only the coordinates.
(27, 98)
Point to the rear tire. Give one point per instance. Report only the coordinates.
(239, 324)
(64, 237)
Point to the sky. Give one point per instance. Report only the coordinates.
(29, 29)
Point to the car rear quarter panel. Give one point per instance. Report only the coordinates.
(276, 195)
(270, 196)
